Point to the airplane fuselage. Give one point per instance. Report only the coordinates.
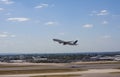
(66, 42)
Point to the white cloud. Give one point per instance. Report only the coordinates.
(106, 36)
(105, 22)
(6, 35)
(7, 1)
(3, 35)
(102, 12)
(93, 12)
(51, 23)
(41, 6)
(99, 13)
(1, 9)
(21, 19)
(88, 25)
(13, 35)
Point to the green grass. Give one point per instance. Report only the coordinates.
(32, 71)
(58, 76)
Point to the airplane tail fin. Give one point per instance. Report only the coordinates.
(75, 42)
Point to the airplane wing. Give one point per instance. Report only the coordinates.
(59, 41)
(69, 41)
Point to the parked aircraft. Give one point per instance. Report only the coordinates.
(66, 42)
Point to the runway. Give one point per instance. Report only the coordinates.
(90, 71)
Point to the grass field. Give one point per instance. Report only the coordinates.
(114, 72)
(13, 65)
(58, 76)
(99, 62)
(32, 71)
(118, 68)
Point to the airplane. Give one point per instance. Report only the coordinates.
(66, 42)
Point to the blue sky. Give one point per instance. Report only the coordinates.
(28, 26)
